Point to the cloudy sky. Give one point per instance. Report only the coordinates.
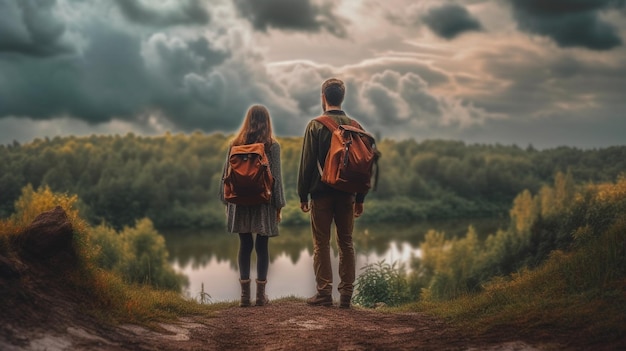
(538, 72)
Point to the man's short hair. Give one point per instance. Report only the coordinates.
(334, 91)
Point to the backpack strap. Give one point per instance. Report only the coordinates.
(354, 123)
(331, 125)
(227, 169)
(328, 122)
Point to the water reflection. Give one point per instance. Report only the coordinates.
(209, 257)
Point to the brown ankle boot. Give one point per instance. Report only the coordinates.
(245, 293)
(320, 300)
(261, 298)
(344, 301)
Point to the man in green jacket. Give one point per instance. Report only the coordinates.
(328, 204)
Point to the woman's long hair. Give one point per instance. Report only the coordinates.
(256, 127)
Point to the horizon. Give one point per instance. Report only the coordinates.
(46, 138)
(512, 73)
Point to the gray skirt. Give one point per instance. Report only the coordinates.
(259, 219)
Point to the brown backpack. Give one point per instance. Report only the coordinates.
(248, 180)
(351, 157)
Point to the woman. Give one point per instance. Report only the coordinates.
(263, 219)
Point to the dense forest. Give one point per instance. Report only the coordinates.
(173, 179)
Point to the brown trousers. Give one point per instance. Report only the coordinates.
(337, 206)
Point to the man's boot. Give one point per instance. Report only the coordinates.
(344, 301)
(245, 293)
(261, 298)
(320, 300)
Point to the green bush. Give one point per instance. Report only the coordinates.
(382, 283)
(138, 254)
(109, 247)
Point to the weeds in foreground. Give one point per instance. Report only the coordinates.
(117, 301)
(203, 296)
(382, 283)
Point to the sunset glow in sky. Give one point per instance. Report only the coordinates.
(538, 72)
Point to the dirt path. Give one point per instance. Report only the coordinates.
(285, 325)
(296, 326)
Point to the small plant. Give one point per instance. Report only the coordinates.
(205, 298)
(382, 283)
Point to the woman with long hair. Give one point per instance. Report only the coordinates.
(262, 219)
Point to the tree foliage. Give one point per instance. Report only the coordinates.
(173, 179)
(555, 221)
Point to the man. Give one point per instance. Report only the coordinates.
(328, 204)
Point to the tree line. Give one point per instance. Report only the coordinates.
(173, 179)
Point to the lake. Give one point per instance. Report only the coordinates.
(209, 256)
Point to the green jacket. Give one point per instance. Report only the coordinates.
(315, 147)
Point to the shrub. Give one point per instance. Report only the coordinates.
(382, 283)
(138, 254)
(33, 202)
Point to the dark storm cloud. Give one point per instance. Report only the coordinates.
(106, 80)
(399, 98)
(185, 12)
(172, 57)
(531, 85)
(450, 20)
(300, 15)
(569, 22)
(29, 27)
(140, 77)
(114, 72)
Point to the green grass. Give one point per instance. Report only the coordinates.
(119, 302)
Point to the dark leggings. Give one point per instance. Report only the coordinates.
(246, 243)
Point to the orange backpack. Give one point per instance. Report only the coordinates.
(351, 157)
(248, 180)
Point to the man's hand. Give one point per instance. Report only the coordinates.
(304, 206)
(358, 209)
